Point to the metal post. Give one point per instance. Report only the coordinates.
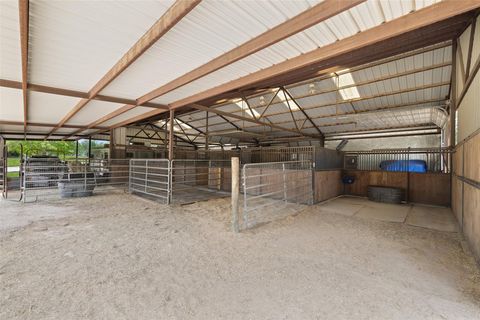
(235, 191)
(146, 175)
(76, 151)
(85, 177)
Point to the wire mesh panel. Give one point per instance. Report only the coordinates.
(274, 190)
(413, 160)
(50, 177)
(150, 178)
(196, 180)
(3, 175)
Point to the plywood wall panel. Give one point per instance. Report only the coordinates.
(471, 218)
(430, 188)
(457, 199)
(328, 184)
(472, 158)
(458, 161)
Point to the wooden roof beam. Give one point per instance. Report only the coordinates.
(410, 22)
(302, 21)
(75, 94)
(166, 22)
(23, 6)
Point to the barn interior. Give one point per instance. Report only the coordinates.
(240, 159)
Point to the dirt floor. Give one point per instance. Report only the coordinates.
(121, 257)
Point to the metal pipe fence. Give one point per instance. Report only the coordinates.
(52, 178)
(195, 180)
(273, 190)
(151, 178)
(433, 159)
(277, 154)
(3, 176)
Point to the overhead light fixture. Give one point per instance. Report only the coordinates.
(262, 100)
(311, 88)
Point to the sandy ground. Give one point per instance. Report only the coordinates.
(121, 257)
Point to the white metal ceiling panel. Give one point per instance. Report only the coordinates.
(10, 52)
(49, 108)
(127, 115)
(94, 110)
(11, 104)
(209, 30)
(74, 43)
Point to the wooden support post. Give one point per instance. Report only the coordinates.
(206, 132)
(235, 191)
(170, 135)
(453, 93)
(76, 151)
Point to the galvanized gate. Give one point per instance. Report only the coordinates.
(197, 180)
(53, 178)
(151, 178)
(274, 190)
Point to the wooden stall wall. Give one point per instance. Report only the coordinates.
(466, 190)
(426, 188)
(328, 184)
(466, 165)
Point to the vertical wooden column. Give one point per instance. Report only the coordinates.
(206, 132)
(453, 94)
(235, 191)
(170, 135)
(453, 107)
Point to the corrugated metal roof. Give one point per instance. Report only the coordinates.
(74, 43)
(205, 33)
(10, 53)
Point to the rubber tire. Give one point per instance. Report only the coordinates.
(385, 194)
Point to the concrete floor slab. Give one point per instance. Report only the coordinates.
(384, 212)
(441, 219)
(347, 209)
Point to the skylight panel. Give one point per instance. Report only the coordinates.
(346, 80)
(243, 106)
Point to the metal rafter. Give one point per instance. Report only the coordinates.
(286, 92)
(407, 23)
